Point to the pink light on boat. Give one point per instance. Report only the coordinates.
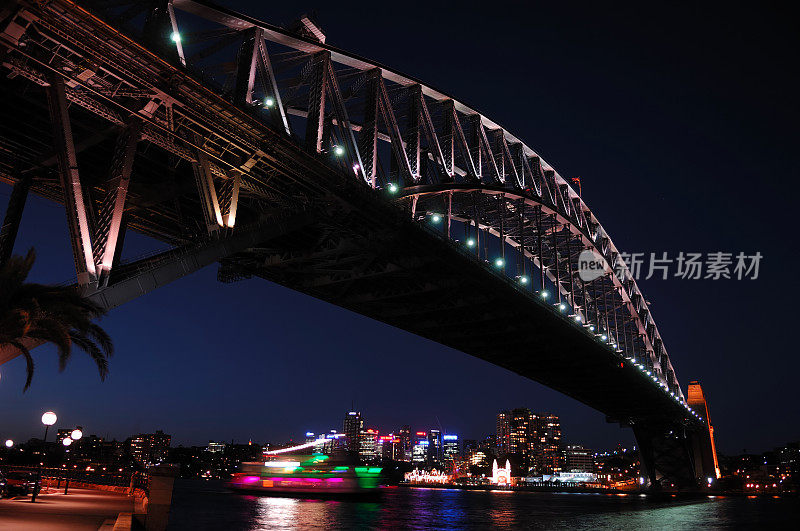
(334, 480)
(251, 479)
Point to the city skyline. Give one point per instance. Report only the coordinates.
(580, 138)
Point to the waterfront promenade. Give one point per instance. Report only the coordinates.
(81, 509)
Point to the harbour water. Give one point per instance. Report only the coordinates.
(200, 505)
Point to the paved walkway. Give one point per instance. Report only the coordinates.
(81, 509)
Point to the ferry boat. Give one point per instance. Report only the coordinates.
(307, 475)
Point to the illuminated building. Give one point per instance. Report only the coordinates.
(310, 436)
(502, 433)
(405, 444)
(150, 448)
(422, 476)
(435, 448)
(549, 458)
(478, 458)
(579, 459)
(519, 435)
(419, 452)
(450, 447)
(353, 425)
(368, 445)
(385, 450)
(215, 447)
(501, 476)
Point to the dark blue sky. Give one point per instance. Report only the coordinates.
(681, 121)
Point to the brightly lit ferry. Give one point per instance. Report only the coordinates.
(287, 473)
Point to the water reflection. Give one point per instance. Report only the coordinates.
(201, 505)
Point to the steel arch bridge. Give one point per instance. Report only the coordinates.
(279, 156)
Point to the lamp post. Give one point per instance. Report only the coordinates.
(76, 434)
(48, 419)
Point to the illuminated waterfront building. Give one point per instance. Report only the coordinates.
(578, 459)
(519, 435)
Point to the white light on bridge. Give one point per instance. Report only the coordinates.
(562, 306)
(578, 318)
(604, 337)
(338, 151)
(176, 37)
(523, 279)
(392, 188)
(544, 294)
(67, 441)
(499, 262)
(471, 242)
(269, 102)
(591, 328)
(436, 218)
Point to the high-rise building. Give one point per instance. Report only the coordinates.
(368, 446)
(548, 457)
(405, 443)
(520, 424)
(503, 429)
(450, 447)
(435, 448)
(352, 426)
(150, 448)
(578, 459)
(419, 452)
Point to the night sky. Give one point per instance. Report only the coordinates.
(682, 122)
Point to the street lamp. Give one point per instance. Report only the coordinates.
(76, 434)
(48, 419)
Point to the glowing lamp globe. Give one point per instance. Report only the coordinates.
(76, 434)
(67, 441)
(49, 418)
(9, 443)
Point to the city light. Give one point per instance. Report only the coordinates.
(338, 151)
(269, 102)
(392, 188)
(67, 441)
(176, 37)
(9, 443)
(49, 418)
(76, 434)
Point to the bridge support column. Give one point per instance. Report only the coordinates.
(75, 202)
(666, 456)
(13, 217)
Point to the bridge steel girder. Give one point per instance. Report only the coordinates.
(77, 211)
(13, 216)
